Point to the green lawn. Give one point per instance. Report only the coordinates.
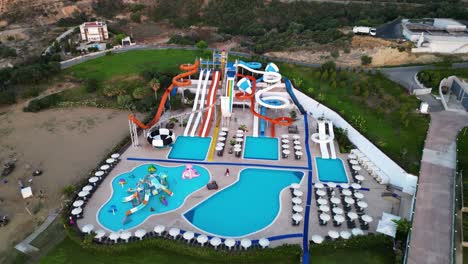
(349, 256)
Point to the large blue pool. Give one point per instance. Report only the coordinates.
(113, 213)
(190, 148)
(265, 148)
(331, 170)
(247, 206)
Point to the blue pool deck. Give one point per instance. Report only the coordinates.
(190, 148)
(331, 170)
(262, 148)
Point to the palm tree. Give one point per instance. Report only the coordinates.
(403, 227)
(155, 85)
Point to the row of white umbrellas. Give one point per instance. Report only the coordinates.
(318, 239)
(320, 185)
(373, 170)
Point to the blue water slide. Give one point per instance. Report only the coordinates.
(260, 79)
(288, 84)
(253, 65)
(262, 121)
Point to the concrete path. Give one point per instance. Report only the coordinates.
(431, 237)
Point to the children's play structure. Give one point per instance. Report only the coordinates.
(189, 172)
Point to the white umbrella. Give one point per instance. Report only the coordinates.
(104, 167)
(358, 195)
(239, 139)
(297, 217)
(174, 232)
(298, 153)
(295, 185)
(297, 147)
(188, 235)
(345, 234)
(110, 161)
(159, 229)
(229, 243)
(239, 135)
(356, 167)
(202, 239)
(320, 192)
(339, 218)
(333, 234)
(140, 233)
(222, 133)
(93, 179)
(239, 131)
(324, 208)
(87, 188)
(285, 141)
(78, 203)
(220, 144)
(114, 236)
(215, 241)
(285, 146)
(87, 228)
(331, 184)
(352, 156)
(76, 211)
(324, 217)
(237, 146)
(335, 200)
(100, 234)
(83, 194)
(337, 210)
(297, 200)
(297, 142)
(317, 239)
(349, 200)
(298, 193)
(352, 215)
(285, 136)
(347, 192)
(264, 242)
(356, 186)
(296, 136)
(359, 177)
(125, 235)
(246, 243)
(221, 139)
(286, 152)
(224, 129)
(362, 204)
(322, 201)
(354, 162)
(297, 208)
(218, 148)
(357, 232)
(344, 186)
(318, 185)
(99, 173)
(367, 218)
(115, 155)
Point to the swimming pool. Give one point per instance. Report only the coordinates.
(265, 148)
(331, 170)
(247, 206)
(112, 213)
(190, 148)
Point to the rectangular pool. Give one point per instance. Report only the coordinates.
(331, 170)
(264, 148)
(190, 148)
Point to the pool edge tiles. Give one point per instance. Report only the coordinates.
(327, 178)
(270, 151)
(227, 218)
(198, 147)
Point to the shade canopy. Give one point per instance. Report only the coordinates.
(295, 185)
(140, 233)
(356, 167)
(347, 192)
(159, 229)
(100, 234)
(333, 234)
(297, 147)
(367, 218)
(125, 235)
(286, 152)
(352, 215)
(338, 210)
(99, 173)
(317, 239)
(229, 242)
(297, 217)
(358, 195)
(87, 228)
(76, 211)
(356, 186)
(174, 232)
(359, 177)
(285, 136)
(331, 184)
(114, 236)
(78, 203)
(354, 162)
(246, 243)
(285, 141)
(324, 208)
(264, 242)
(321, 192)
(352, 156)
(335, 200)
(285, 146)
(297, 200)
(83, 194)
(188, 235)
(110, 161)
(224, 129)
(296, 136)
(349, 200)
(115, 155)
(362, 204)
(325, 217)
(202, 239)
(318, 185)
(339, 218)
(215, 241)
(297, 142)
(344, 185)
(298, 208)
(221, 139)
(87, 188)
(322, 201)
(345, 234)
(93, 179)
(298, 193)
(357, 232)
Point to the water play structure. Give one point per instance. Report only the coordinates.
(325, 139)
(161, 137)
(189, 172)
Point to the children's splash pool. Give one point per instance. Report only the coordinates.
(265, 148)
(112, 214)
(331, 170)
(247, 206)
(190, 148)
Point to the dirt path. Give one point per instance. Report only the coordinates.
(64, 143)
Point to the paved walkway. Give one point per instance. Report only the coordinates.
(431, 237)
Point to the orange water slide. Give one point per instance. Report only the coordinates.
(282, 120)
(211, 99)
(178, 81)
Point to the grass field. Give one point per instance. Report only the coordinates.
(347, 256)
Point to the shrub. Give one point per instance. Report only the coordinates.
(201, 45)
(6, 52)
(125, 102)
(31, 91)
(43, 103)
(91, 85)
(136, 17)
(141, 92)
(293, 114)
(335, 54)
(366, 60)
(69, 190)
(7, 97)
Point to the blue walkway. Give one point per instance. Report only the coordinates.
(305, 237)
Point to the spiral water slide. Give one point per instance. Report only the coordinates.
(177, 81)
(282, 120)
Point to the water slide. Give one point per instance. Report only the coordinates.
(322, 137)
(251, 65)
(130, 197)
(195, 102)
(177, 81)
(262, 122)
(158, 185)
(202, 102)
(205, 128)
(290, 91)
(332, 135)
(283, 120)
(255, 122)
(141, 205)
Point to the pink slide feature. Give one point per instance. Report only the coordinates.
(189, 172)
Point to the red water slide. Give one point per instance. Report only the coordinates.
(282, 120)
(178, 81)
(210, 101)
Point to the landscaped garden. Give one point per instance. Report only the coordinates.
(432, 78)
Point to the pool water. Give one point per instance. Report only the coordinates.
(112, 214)
(265, 148)
(247, 206)
(331, 170)
(190, 148)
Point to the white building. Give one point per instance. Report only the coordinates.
(94, 31)
(436, 35)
